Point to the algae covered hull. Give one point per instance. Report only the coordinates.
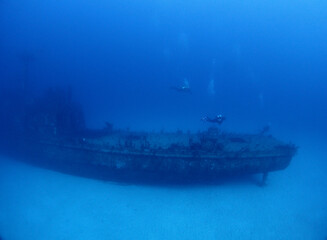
(161, 156)
(50, 131)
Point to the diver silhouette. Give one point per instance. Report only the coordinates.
(183, 88)
(217, 119)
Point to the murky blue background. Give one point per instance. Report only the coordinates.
(256, 62)
(267, 60)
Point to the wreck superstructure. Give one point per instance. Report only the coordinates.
(53, 134)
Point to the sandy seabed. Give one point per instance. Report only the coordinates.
(41, 204)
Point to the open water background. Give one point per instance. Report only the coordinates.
(256, 62)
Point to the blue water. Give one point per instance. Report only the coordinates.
(255, 62)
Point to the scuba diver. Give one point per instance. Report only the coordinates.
(217, 119)
(184, 88)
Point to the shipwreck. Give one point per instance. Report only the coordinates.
(50, 132)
